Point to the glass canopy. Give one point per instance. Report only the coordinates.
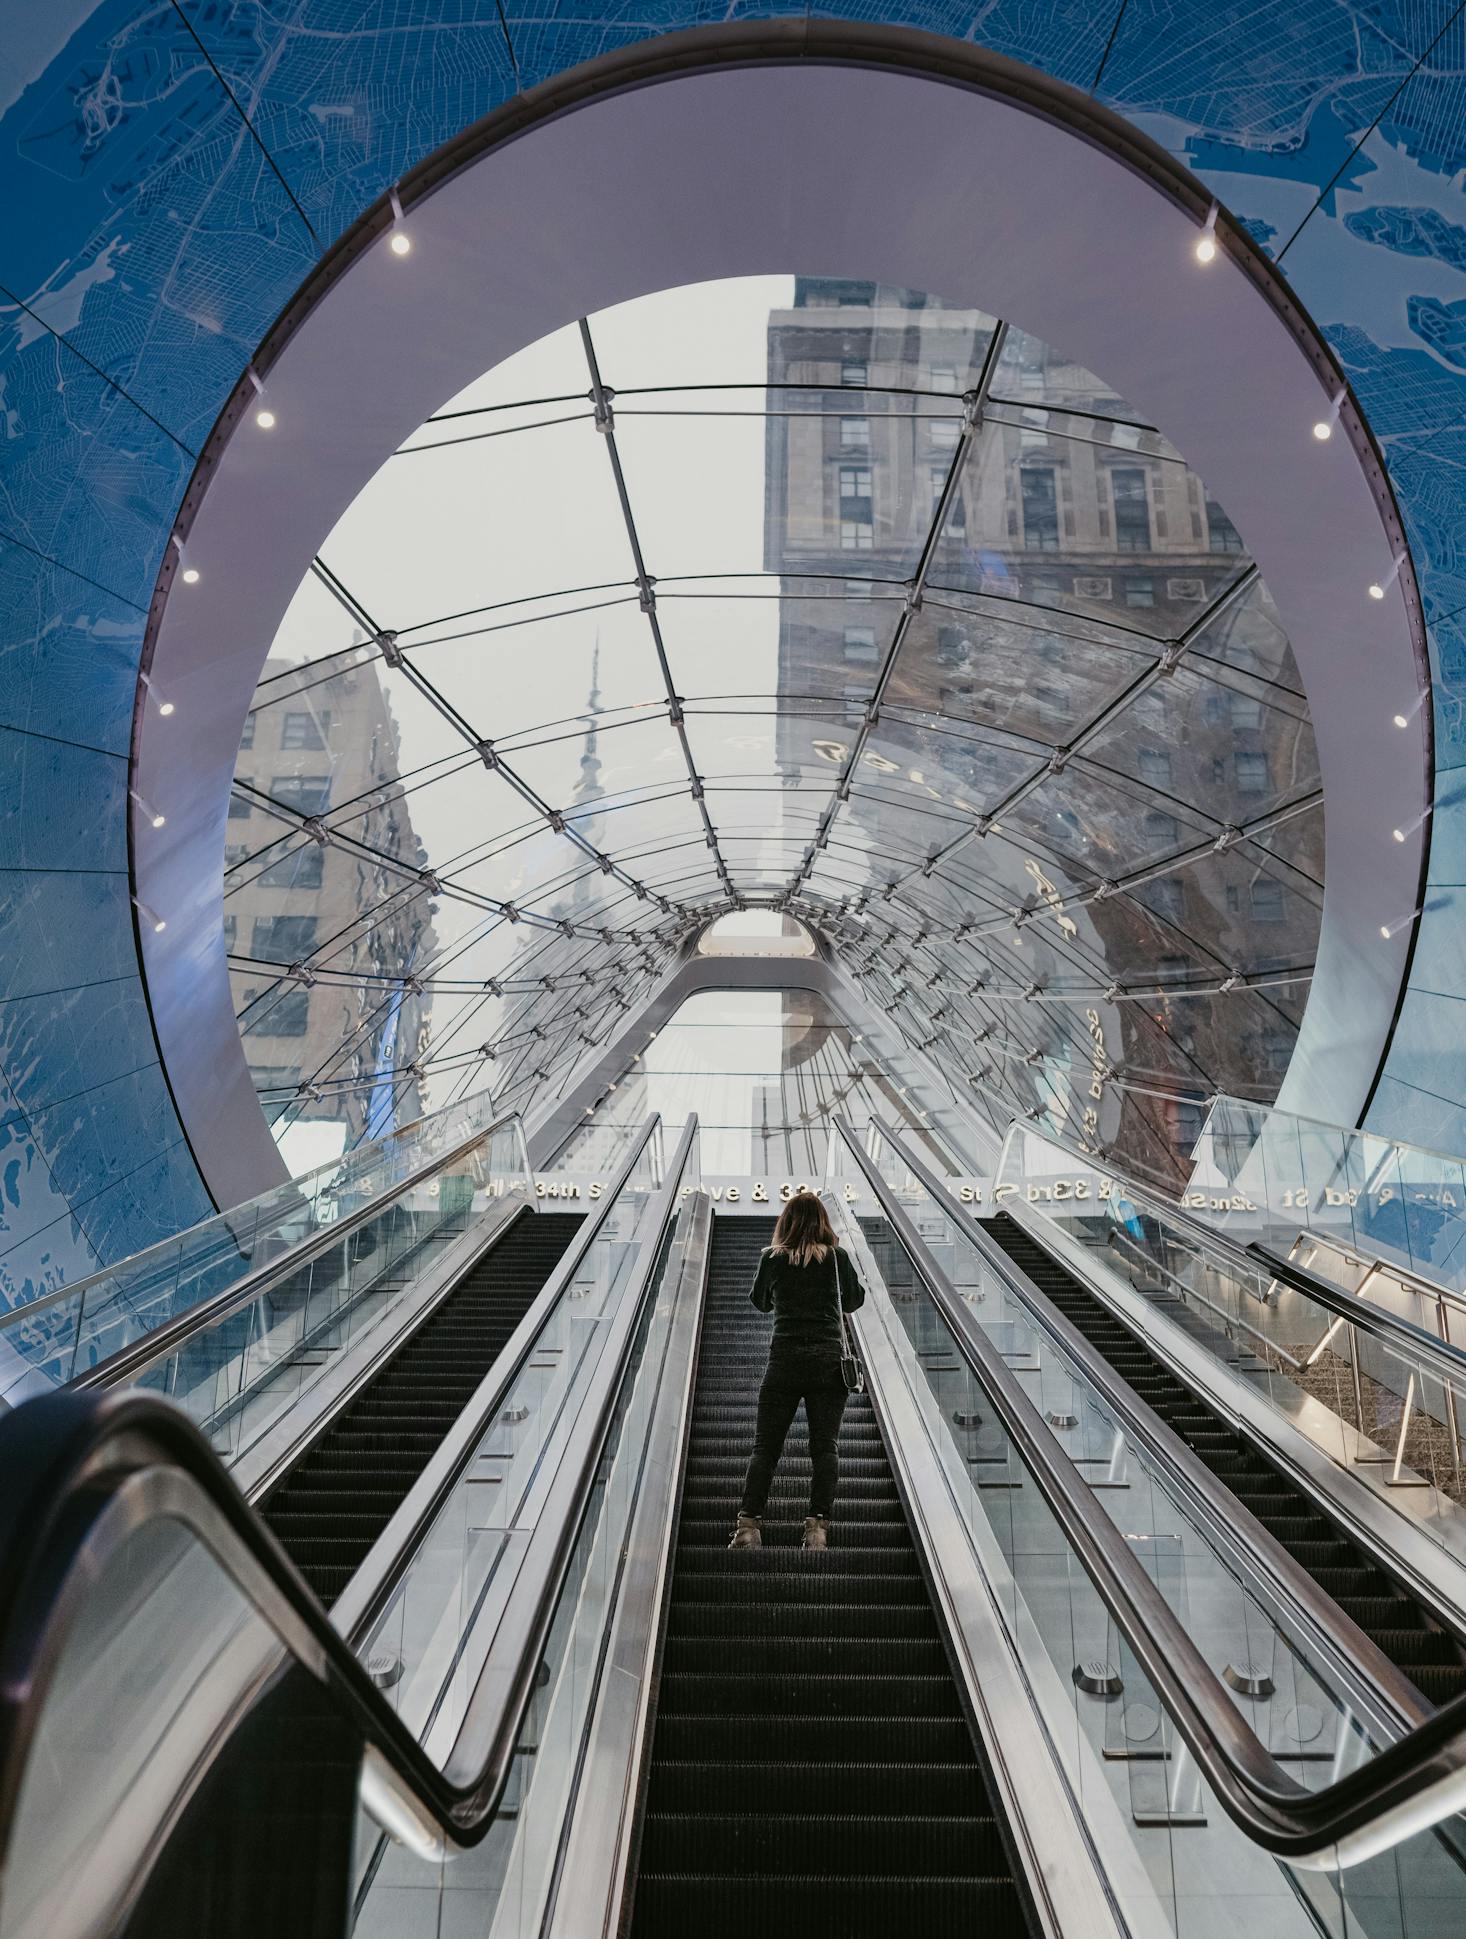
(813, 596)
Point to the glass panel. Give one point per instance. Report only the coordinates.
(327, 1300)
(1384, 1413)
(785, 443)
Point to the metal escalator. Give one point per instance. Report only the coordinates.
(812, 1769)
(1406, 1633)
(621, 1725)
(337, 1499)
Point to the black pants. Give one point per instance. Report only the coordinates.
(796, 1374)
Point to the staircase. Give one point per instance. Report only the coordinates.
(338, 1498)
(812, 1771)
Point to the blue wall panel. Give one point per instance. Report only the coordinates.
(167, 178)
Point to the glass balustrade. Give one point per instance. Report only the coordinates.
(1261, 1173)
(477, 1155)
(1379, 1404)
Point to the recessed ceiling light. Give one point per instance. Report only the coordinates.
(401, 244)
(265, 419)
(190, 575)
(1323, 430)
(1206, 249)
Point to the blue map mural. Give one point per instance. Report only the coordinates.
(170, 172)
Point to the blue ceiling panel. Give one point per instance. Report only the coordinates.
(168, 175)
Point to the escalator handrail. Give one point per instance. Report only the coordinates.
(1412, 1784)
(1448, 1362)
(161, 1341)
(1389, 1687)
(69, 1455)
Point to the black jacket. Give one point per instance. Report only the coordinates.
(802, 1298)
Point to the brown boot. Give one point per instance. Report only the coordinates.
(747, 1535)
(816, 1529)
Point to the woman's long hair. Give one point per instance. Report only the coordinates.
(804, 1232)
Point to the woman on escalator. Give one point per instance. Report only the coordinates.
(806, 1280)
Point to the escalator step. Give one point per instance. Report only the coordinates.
(845, 1842)
(693, 1786)
(732, 1905)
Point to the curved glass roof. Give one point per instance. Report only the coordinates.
(813, 595)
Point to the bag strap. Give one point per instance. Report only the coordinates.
(846, 1347)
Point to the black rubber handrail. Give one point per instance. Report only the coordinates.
(68, 1459)
(1411, 1785)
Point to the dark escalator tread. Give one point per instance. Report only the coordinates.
(735, 1905)
(811, 1769)
(339, 1497)
(1434, 1661)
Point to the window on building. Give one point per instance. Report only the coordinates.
(234, 854)
(855, 434)
(953, 647)
(1140, 592)
(1168, 968)
(1161, 827)
(1165, 897)
(853, 373)
(860, 644)
(1155, 767)
(275, 1077)
(1252, 773)
(944, 433)
(307, 794)
(1234, 899)
(1222, 534)
(1186, 1122)
(1267, 900)
(1040, 509)
(247, 738)
(231, 924)
(240, 806)
(1053, 700)
(1277, 1050)
(301, 869)
(282, 939)
(287, 1016)
(1246, 712)
(857, 513)
(1132, 508)
(957, 511)
(304, 730)
(943, 377)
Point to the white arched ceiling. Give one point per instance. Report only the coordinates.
(838, 172)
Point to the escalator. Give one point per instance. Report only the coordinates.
(812, 1770)
(1405, 1632)
(336, 1500)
